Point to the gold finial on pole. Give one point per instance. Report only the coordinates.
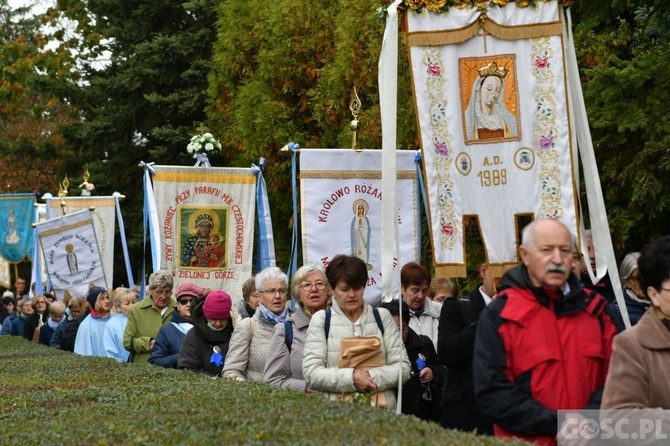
(86, 187)
(62, 193)
(355, 107)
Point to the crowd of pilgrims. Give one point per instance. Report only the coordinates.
(326, 340)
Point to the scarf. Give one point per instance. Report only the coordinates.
(184, 327)
(51, 323)
(211, 327)
(634, 297)
(271, 318)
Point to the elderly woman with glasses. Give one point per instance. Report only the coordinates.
(283, 367)
(250, 342)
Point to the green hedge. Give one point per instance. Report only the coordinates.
(52, 397)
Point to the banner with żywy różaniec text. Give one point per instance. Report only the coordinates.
(17, 215)
(71, 253)
(340, 209)
(206, 220)
(103, 211)
(492, 101)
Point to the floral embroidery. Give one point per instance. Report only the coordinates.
(545, 128)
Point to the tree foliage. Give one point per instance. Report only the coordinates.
(33, 108)
(132, 80)
(622, 47)
(285, 71)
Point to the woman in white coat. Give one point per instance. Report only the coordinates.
(352, 318)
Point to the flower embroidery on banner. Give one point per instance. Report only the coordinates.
(434, 69)
(448, 229)
(442, 149)
(546, 142)
(541, 63)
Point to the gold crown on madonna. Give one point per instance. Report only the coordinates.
(493, 69)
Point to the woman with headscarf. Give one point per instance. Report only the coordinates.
(636, 302)
(205, 346)
(283, 367)
(91, 332)
(250, 342)
(352, 351)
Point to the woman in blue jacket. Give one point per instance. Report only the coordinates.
(169, 338)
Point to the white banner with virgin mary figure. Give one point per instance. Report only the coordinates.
(103, 211)
(492, 99)
(341, 198)
(71, 253)
(206, 225)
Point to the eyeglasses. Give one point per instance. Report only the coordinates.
(665, 289)
(307, 286)
(272, 292)
(184, 301)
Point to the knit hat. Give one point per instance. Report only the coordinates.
(93, 294)
(217, 305)
(188, 289)
(8, 294)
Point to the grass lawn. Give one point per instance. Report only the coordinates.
(50, 397)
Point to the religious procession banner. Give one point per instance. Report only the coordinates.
(340, 209)
(71, 253)
(206, 224)
(104, 223)
(17, 215)
(5, 279)
(492, 99)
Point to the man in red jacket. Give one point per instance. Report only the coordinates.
(544, 343)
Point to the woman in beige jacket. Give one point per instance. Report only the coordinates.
(250, 341)
(351, 317)
(638, 372)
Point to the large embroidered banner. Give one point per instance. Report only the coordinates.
(103, 211)
(206, 220)
(71, 253)
(341, 209)
(492, 99)
(17, 215)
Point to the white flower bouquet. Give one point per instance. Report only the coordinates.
(203, 143)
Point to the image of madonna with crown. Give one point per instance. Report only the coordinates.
(486, 117)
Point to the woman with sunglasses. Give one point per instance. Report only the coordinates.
(170, 336)
(251, 339)
(283, 367)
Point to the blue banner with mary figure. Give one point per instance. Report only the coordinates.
(17, 215)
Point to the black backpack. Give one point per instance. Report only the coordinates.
(288, 327)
